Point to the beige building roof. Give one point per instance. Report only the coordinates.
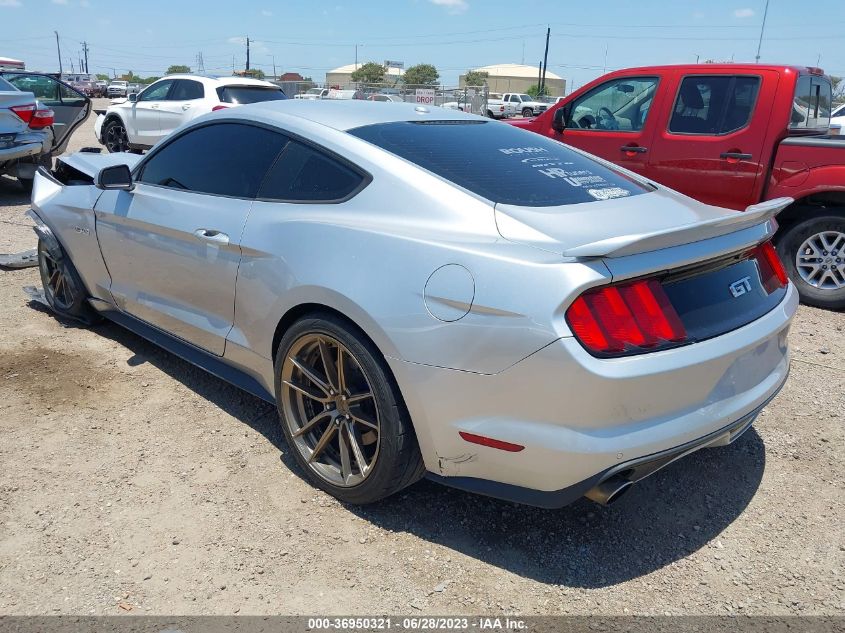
(351, 68)
(515, 70)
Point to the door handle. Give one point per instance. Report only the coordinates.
(185, 106)
(636, 149)
(210, 235)
(735, 156)
(154, 106)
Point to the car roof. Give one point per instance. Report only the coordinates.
(222, 81)
(347, 114)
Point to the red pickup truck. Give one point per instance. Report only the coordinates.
(730, 135)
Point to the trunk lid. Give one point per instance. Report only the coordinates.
(626, 226)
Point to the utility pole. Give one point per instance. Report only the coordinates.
(85, 51)
(356, 57)
(545, 62)
(59, 51)
(247, 53)
(604, 72)
(274, 66)
(762, 28)
(72, 71)
(539, 74)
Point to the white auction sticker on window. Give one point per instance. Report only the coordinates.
(608, 193)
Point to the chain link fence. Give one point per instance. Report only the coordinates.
(468, 99)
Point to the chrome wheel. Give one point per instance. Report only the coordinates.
(116, 138)
(820, 260)
(58, 288)
(330, 410)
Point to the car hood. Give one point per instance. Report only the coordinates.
(90, 163)
(624, 226)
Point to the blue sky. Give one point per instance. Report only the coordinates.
(313, 36)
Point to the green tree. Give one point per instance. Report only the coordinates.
(369, 73)
(475, 78)
(421, 75)
(149, 80)
(178, 69)
(103, 77)
(255, 73)
(838, 85)
(132, 78)
(534, 91)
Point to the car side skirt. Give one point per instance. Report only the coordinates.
(197, 357)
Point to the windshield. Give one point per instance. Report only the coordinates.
(242, 95)
(501, 162)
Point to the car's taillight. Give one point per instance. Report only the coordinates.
(625, 318)
(43, 117)
(219, 107)
(25, 112)
(772, 273)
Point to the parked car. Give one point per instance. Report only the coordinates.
(38, 114)
(495, 107)
(103, 87)
(537, 325)
(385, 98)
(517, 103)
(731, 135)
(313, 93)
(137, 123)
(118, 88)
(344, 94)
(837, 116)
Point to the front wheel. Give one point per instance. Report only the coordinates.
(341, 412)
(115, 137)
(63, 288)
(813, 252)
(527, 112)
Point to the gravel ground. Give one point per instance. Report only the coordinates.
(131, 482)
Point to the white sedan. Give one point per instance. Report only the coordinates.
(140, 121)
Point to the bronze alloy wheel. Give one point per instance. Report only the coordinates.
(58, 287)
(330, 410)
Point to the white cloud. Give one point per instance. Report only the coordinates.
(452, 6)
(10, 3)
(59, 1)
(237, 40)
(266, 13)
(743, 13)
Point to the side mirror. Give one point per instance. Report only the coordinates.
(133, 97)
(115, 177)
(559, 120)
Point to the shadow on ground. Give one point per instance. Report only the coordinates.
(11, 192)
(662, 519)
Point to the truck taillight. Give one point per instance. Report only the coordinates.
(772, 273)
(219, 107)
(625, 319)
(25, 112)
(43, 117)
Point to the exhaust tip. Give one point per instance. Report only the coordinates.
(610, 490)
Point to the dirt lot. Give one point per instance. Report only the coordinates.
(131, 482)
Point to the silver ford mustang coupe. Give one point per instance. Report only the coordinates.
(426, 292)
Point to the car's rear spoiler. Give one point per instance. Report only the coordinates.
(644, 242)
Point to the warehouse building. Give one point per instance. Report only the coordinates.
(518, 78)
(342, 76)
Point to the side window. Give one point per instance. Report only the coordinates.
(714, 105)
(226, 159)
(304, 174)
(186, 90)
(47, 90)
(811, 106)
(618, 105)
(156, 92)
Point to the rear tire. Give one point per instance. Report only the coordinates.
(63, 288)
(358, 448)
(813, 253)
(527, 113)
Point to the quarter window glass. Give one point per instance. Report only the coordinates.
(811, 106)
(156, 92)
(46, 89)
(618, 105)
(714, 105)
(227, 159)
(186, 90)
(305, 174)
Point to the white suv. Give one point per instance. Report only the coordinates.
(138, 122)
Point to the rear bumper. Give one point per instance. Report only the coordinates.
(23, 148)
(581, 419)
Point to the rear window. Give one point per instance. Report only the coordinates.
(242, 95)
(500, 162)
(812, 102)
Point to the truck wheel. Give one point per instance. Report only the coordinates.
(489, 114)
(114, 136)
(813, 252)
(341, 411)
(527, 112)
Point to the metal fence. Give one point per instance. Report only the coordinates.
(459, 98)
